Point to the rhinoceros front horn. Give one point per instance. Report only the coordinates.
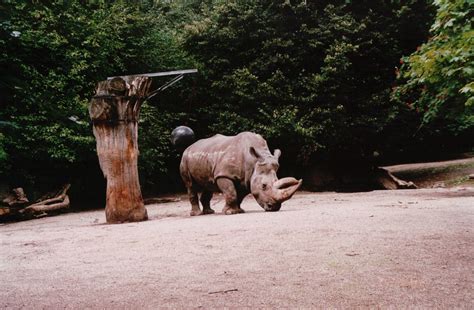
(284, 189)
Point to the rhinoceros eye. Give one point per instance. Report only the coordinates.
(264, 186)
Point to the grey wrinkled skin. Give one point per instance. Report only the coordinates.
(236, 166)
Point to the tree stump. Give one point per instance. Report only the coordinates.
(114, 111)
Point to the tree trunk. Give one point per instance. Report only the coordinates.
(114, 111)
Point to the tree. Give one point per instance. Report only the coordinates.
(52, 55)
(313, 76)
(437, 80)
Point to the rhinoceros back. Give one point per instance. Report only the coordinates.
(221, 156)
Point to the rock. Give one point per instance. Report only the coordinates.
(439, 185)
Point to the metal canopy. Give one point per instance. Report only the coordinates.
(155, 74)
(179, 73)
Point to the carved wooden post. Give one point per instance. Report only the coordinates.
(114, 111)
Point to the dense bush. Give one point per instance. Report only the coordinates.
(437, 81)
(312, 76)
(52, 57)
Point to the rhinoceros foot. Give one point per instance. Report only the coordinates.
(230, 210)
(199, 212)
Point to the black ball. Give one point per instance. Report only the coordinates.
(182, 136)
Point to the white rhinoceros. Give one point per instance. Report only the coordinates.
(236, 166)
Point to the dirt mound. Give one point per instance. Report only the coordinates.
(437, 174)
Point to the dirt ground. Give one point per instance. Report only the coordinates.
(405, 248)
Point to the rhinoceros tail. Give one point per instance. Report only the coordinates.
(182, 137)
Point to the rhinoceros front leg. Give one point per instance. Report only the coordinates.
(206, 197)
(232, 205)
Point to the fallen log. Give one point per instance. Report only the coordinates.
(16, 198)
(59, 202)
(388, 181)
(38, 208)
(14, 206)
(13, 202)
(54, 194)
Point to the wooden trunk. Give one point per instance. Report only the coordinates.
(114, 111)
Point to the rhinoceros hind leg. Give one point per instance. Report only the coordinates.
(206, 197)
(193, 198)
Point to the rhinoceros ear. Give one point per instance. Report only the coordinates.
(255, 153)
(277, 153)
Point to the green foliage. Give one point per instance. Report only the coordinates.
(314, 77)
(309, 75)
(438, 79)
(3, 153)
(52, 55)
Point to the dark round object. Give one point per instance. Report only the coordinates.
(182, 136)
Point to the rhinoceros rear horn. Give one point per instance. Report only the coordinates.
(277, 153)
(285, 188)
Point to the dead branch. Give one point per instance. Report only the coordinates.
(149, 201)
(225, 291)
(388, 181)
(60, 196)
(54, 194)
(47, 207)
(14, 206)
(16, 198)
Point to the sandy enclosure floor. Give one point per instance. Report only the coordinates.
(406, 248)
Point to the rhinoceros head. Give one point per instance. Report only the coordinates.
(270, 192)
